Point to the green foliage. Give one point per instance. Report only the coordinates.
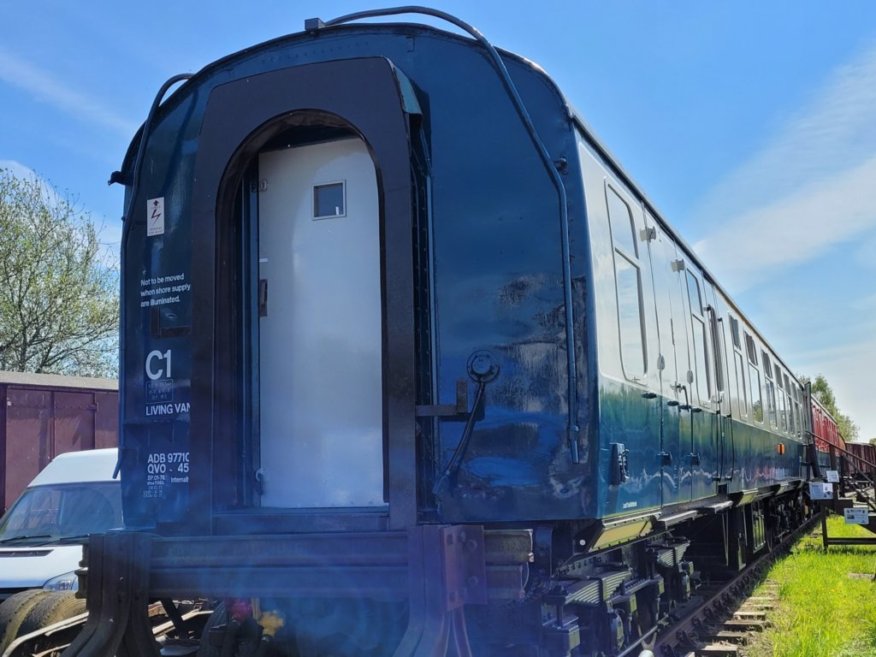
(822, 391)
(58, 301)
(827, 600)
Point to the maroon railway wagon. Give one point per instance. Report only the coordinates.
(43, 415)
(862, 459)
(824, 429)
(859, 457)
(864, 451)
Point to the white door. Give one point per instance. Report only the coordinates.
(320, 327)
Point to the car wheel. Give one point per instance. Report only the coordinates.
(51, 609)
(14, 610)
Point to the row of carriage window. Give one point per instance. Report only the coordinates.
(771, 399)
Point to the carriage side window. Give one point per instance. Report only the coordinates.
(770, 389)
(782, 402)
(740, 384)
(717, 337)
(734, 330)
(750, 349)
(739, 364)
(628, 276)
(623, 228)
(700, 346)
(795, 407)
(754, 380)
(693, 294)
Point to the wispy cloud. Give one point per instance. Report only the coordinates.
(50, 90)
(794, 228)
(865, 254)
(865, 303)
(19, 170)
(109, 234)
(848, 368)
(811, 187)
(24, 172)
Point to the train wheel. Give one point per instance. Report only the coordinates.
(234, 638)
(218, 618)
(14, 610)
(51, 609)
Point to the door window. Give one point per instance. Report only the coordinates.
(329, 200)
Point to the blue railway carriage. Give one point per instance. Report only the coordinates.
(410, 362)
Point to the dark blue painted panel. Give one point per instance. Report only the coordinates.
(752, 458)
(498, 281)
(157, 361)
(628, 418)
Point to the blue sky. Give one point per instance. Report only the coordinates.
(751, 126)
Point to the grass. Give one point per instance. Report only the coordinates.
(827, 601)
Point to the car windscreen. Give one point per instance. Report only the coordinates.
(51, 513)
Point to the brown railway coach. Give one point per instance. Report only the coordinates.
(43, 415)
(864, 451)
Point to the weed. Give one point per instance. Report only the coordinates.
(827, 604)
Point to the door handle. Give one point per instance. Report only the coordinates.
(263, 297)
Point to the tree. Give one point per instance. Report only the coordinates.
(58, 300)
(822, 391)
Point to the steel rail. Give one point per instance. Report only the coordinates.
(676, 640)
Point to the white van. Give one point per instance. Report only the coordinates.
(42, 533)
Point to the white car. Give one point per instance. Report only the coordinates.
(42, 533)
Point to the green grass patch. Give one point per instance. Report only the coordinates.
(827, 600)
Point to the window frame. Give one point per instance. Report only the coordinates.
(754, 377)
(632, 260)
(701, 358)
(739, 367)
(770, 389)
(321, 217)
(782, 399)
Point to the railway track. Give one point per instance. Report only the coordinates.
(750, 617)
(723, 616)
